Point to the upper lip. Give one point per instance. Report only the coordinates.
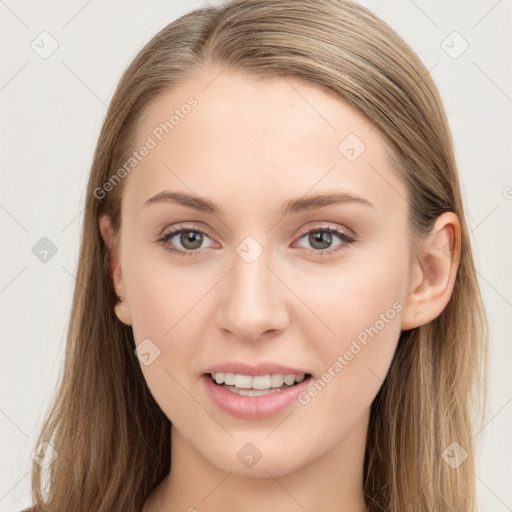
(257, 369)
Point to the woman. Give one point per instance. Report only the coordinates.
(276, 302)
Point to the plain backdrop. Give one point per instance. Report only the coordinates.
(52, 110)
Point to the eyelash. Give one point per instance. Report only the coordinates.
(342, 235)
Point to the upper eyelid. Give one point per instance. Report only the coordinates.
(323, 225)
(179, 227)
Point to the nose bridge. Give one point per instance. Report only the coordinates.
(253, 301)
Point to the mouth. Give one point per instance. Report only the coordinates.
(238, 394)
(257, 385)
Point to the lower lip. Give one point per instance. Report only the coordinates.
(253, 407)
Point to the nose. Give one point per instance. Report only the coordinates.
(252, 302)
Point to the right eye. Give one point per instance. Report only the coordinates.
(189, 238)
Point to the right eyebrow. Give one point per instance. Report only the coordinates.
(200, 204)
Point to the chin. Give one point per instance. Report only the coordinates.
(250, 461)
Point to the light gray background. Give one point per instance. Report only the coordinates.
(52, 110)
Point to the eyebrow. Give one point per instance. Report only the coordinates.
(291, 206)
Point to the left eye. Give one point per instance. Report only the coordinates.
(322, 238)
(192, 239)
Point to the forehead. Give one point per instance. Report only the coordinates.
(233, 130)
(230, 100)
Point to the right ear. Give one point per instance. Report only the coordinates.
(111, 240)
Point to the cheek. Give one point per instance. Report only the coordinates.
(360, 311)
(162, 311)
(161, 293)
(168, 375)
(352, 296)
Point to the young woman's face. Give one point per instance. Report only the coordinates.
(262, 288)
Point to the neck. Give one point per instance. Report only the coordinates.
(333, 481)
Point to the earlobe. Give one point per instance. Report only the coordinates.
(123, 312)
(121, 309)
(435, 269)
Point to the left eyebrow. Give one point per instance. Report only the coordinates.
(321, 200)
(290, 206)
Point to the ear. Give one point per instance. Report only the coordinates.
(111, 240)
(433, 274)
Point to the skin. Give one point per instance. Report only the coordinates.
(249, 145)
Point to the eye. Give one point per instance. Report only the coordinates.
(322, 238)
(190, 239)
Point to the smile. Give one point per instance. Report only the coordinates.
(257, 385)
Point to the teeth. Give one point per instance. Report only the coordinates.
(219, 378)
(258, 382)
(243, 381)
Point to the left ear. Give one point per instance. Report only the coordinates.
(435, 268)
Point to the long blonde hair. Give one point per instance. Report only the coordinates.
(111, 439)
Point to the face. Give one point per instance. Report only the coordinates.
(260, 287)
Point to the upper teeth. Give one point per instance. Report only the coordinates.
(275, 380)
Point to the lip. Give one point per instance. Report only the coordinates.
(253, 407)
(258, 369)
